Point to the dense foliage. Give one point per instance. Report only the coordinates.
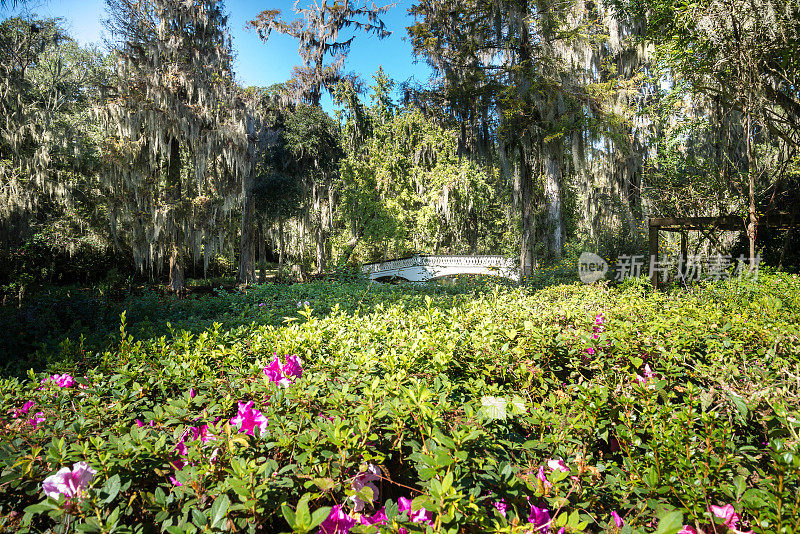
(545, 125)
(604, 409)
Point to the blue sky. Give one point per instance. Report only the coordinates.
(260, 63)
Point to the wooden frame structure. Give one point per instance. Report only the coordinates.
(706, 225)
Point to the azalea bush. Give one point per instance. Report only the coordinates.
(427, 409)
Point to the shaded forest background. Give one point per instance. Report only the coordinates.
(548, 128)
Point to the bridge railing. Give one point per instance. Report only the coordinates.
(444, 260)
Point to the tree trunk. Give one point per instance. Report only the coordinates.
(524, 191)
(751, 180)
(281, 244)
(246, 274)
(176, 278)
(320, 234)
(554, 225)
(176, 273)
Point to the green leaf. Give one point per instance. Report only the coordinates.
(494, 407)
(200, 518)
(319, 515)
(324, 484)
(518, 406)
(288, 514)
(111, 486)
(670, 523)
(302, 515)
(44, 506)
(741, 485)
(219, 510)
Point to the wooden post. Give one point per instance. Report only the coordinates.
(684, 254)
(653, 236)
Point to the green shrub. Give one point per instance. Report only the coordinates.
(660, 405)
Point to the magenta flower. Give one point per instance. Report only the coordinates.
(541, 476)
(648, 375)
(687, 529)
(140, 424)
(540, 517)
(284, 375)
(365, 479)
(192, 393)
(599, 319)
(337, 522)
(501, 506)
(617, 519)
(201, 432)
(62, 381)
(420, 516)
(181, 448)
(378, 518)
(293, 366)
(248, 419)
(37, 418)
(24, 410)
(590, 351)
(557, 465)
(68, 482)
(175, 482)
(726, 512)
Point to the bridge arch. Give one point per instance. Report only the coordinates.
(424, 268)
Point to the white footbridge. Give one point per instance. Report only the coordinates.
(424, 268)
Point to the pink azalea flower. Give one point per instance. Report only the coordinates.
(557, 465)
(175, 482)
(62, 381)
(201, 432)
(248, 419)
(540, 517)
(378, 518)
(68, 482)
(140, 424)
(37, 418)
(617, 519)
(178, 464)
(726, 512)
(293, 366)
(24, 410)
(337, 522)
(590, 351)
(192, 393)
(420, 516)
(284, 375)
(365, 479)
(648, 375)
(501, 506)
(687, 529)
(181, 448)
(599, 319)
(541, 476)
(274, 372)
